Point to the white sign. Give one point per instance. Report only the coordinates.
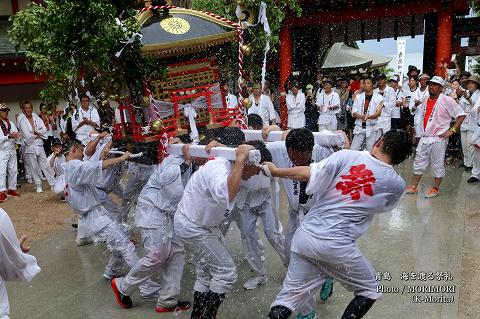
(401, 44)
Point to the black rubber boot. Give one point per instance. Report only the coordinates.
(279, 312)
(213, 302)
(358, 307)
(199, 305)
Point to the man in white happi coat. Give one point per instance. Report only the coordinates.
(207, 201)
(389, 103)
(96, 150)
(328, 104)
(82, 178)
(396, 122)
(366, 110)
(298, 149)
(56, 161)
(165, 254)
(9, 137)
(348, 189)
(262, 105)
(34, 132)
(296, 106)
(416, 100)
(15, 263)
(469, 101)
(230, 99)
(254, 201)
(435, 113)
(85, 119)
(475, 141)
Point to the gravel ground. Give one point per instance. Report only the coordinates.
(38, 215)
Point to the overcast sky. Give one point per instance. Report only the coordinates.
(388, 47)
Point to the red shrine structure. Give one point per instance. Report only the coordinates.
(322, 23)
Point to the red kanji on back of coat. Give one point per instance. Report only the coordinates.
(359, 179)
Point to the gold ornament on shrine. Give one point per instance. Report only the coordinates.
(246, 49)
(157, 125)
(247, 103)
(175, 25)
(145, 101)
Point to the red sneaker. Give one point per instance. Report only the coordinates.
(180, 306)
(3, 197)
(123, 300)
(432, 193)
(411, 190)
(13, 193)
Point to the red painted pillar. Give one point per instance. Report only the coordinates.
(285, 60)
(15, 7)
(444, 39)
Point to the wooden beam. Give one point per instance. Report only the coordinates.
(373, 13)
(466, 27)
(11, 78)
(466, 51)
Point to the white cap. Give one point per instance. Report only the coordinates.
(395, 78)
(436, 79)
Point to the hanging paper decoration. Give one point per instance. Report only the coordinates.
(262, 18)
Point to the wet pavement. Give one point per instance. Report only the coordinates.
(420, 237)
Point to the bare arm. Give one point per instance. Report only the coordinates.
(377, 113)
(299, 173)
(458, 122)
(92, 123)
(92, 145)
(269, 128)
(113, 161)
(235, 177)
(357, 115)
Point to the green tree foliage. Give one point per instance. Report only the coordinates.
(386, 70)
(277, 10)
(67, 40)
(475, 5)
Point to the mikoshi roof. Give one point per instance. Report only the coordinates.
(182, 31)
(342, 56)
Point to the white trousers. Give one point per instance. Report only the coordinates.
(476, 163)
(225, 226)
(38, 165)
(4, 304)
(248, 228)
(26, 165)
(430, 154)
(385, 124)
(138, 175)
(123, 250)
(8, 169)
(165, 256)
(59, 185)
(113, 210)
(214, 267)
(294, 220)
(361, 139)
(305, 277)
(467, 148)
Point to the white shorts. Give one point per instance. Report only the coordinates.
(433, 154)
